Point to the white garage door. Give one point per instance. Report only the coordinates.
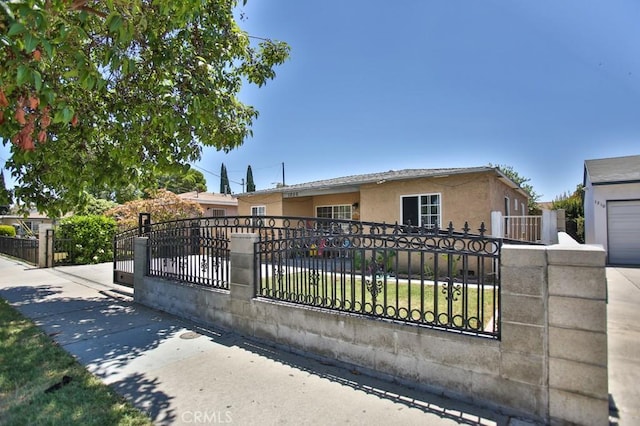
(623, 226)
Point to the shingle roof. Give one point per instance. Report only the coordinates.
(209, 198)
(390, 175)
(613, 170)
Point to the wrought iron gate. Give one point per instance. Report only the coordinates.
(123, 250)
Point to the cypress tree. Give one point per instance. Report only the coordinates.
(251, 187)
(224, 181)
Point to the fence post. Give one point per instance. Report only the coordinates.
(549, 227)
(578, 363)
(496, 225)
(45, 246)
(140, 266)
(561, 220)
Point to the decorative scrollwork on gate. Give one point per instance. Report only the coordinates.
(452, 291)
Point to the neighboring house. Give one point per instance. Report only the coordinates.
(214, 205)
(417, 196)
(26, 226)
(612, 207)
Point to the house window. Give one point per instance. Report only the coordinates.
(334, 212)
(258, 210)
(422, 210)
(217, 212)
(515, 205)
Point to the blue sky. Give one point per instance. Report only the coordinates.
(372, 85)
(375, 85)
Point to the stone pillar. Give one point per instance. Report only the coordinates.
(524, 360)
(578, 373)
(140, 266)
(45, 246)
(242, 285)
(549, 227)
(562, 220)
(497, 225)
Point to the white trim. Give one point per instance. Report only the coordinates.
(333, 206)
(263, 207)
(440, 207)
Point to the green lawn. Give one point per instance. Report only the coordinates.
(460, 307)
(31, 363)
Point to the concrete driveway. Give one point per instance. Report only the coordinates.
(623, 315)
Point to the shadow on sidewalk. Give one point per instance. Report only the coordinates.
(108, 334)
(98, 331)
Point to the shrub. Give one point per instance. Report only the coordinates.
(87, 239)
(7, 231)
(163, 206)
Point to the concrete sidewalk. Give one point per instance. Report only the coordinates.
(182, 374)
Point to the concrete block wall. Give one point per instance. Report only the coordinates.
(578, 374)
(524, 342)
(550, 364)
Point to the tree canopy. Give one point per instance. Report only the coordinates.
(573, 205)
(523, 182)
(6, 199)
(114, 92)
(184, 179)
(178, 183)
(163, 205)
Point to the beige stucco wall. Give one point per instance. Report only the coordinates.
(465, 198)
(469, 197)
(498, 190)
(272, 202)
(300, 206)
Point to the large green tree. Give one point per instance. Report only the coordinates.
(113, 92)
(178, 183)
(180, 180)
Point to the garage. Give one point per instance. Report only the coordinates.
(623, 223)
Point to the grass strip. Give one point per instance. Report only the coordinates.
(42, 384)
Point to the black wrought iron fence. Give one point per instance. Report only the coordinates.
(431, 277)
(195, 251)
(123, 256)
(21, 248)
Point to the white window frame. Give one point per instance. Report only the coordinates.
(258, 211)
(333, 207)
(420, 206)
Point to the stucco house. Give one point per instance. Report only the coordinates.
(214, 205)
(26, 225)
(419, 196)
(612, 207)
